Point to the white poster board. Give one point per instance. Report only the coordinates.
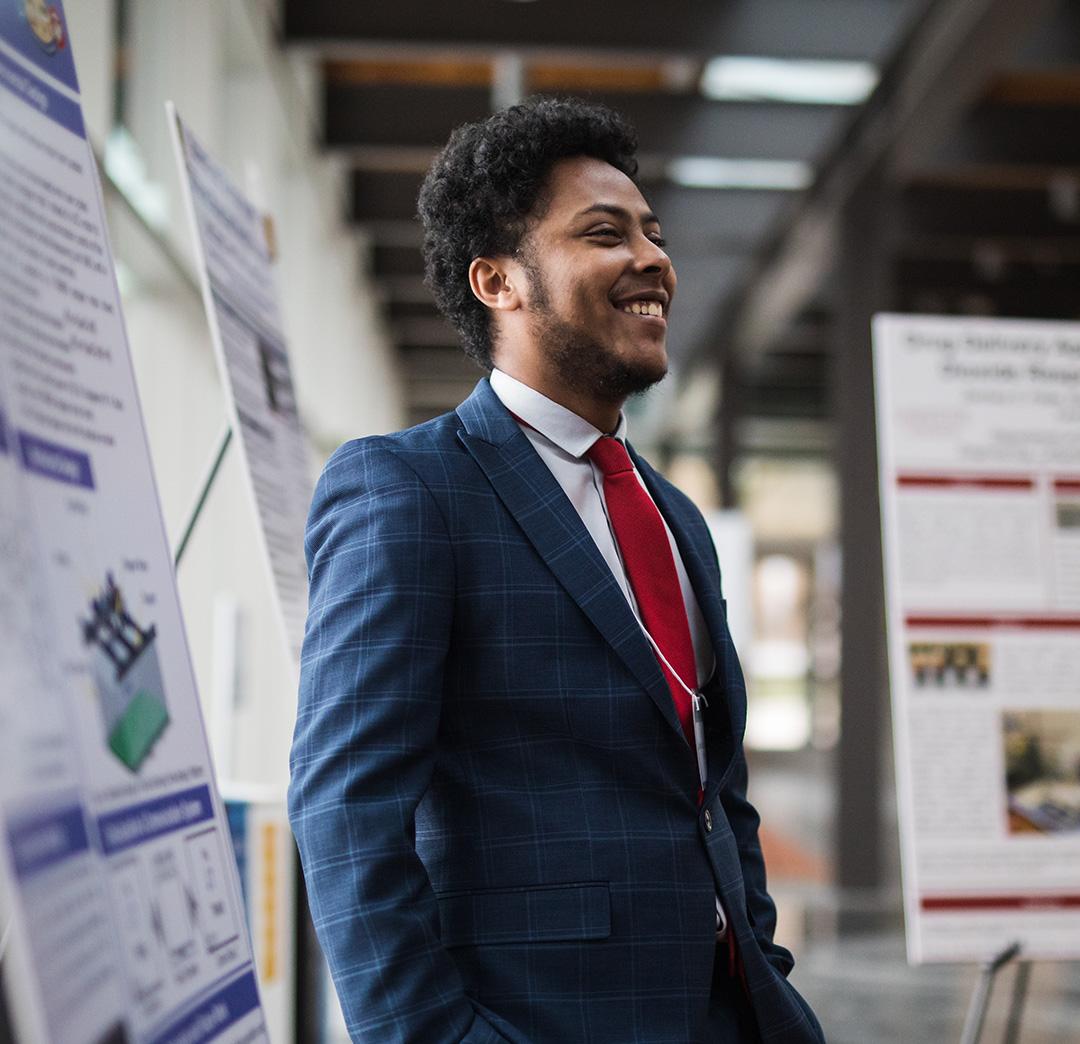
(979, 451)
(236, 250)
(115, 860)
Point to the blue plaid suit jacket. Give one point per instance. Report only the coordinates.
(495, 806)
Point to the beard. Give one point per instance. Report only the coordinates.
(579, 359)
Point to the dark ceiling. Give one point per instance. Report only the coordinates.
(973, 128)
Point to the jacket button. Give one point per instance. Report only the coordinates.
(708, 822)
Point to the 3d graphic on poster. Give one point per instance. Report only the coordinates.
(115, 859)
(979, 449)
(235, 244)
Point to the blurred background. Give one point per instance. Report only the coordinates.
(812, 162)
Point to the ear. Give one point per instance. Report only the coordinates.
(493, 281)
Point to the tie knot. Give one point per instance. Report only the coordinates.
(610, 456)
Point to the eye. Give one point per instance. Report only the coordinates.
(658, 240)
(604, 232)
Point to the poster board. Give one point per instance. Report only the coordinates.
(236, 251)
(115, 860)
(979, 454)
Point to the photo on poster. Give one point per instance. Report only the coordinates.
(1042, 771)
(949, 665)
(1067, 514)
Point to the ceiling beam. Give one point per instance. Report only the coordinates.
(782, 28)
(941, 69)
(416, 116)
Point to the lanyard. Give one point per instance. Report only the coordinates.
(697, 701)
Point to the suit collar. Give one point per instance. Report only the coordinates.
(562, 427)
(484, 417)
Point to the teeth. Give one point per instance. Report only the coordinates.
(644, 308)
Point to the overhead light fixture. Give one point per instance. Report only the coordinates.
(716, 173)
(798, 80)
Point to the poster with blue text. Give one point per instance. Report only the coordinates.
(118, 885)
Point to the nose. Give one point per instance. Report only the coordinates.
(652, 258)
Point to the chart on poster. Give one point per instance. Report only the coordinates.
(115, 862)
(236, 249)
(979, 452)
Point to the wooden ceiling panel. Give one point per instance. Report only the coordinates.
(820, 28)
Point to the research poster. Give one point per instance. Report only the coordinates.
(235, 244)
(116, 868)
(979, 451)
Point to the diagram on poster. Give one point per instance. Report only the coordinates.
(979, 450)
(127, 918)
(236, 249)
(127, 675)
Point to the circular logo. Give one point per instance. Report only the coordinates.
(45, 23)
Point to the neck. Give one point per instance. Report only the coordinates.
(601, 415)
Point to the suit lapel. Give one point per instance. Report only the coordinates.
(532, 495)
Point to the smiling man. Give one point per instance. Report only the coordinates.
(518, 783)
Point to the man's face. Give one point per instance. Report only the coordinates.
(598, 282)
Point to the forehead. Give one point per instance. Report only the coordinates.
(580, 182)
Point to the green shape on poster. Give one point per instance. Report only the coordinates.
(135, 733)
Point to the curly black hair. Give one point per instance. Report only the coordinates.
(485, 183)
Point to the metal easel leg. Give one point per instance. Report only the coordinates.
(1016, 1007)
(980, 999)
(204, 491)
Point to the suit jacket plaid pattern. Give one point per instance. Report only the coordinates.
(495, 806)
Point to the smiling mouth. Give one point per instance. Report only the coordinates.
(653, 309)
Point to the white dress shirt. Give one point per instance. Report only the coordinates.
(562, 439)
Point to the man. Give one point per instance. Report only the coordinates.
(505, 829)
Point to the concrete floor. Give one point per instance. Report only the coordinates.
(864, 992)
(850, 958)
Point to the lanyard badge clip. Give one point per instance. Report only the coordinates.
(699, 702)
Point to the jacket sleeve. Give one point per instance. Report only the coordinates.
(744, 822)
(760, 908)
(381, 577)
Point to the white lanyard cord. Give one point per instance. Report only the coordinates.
(697, 701)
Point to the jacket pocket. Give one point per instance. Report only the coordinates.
(546, 913)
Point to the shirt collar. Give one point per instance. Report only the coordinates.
(572, 434)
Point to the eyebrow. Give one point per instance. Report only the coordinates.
(648, 218)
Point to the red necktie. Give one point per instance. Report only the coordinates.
(650, 567)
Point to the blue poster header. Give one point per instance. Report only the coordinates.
(51, 460)
(224, 1008)
(141, 823)
(38, 30)
(42, 840)
(36, 93)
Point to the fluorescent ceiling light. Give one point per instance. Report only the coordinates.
(799, 80)
(715, 173)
